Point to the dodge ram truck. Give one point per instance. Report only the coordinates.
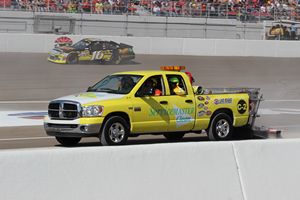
(150, 102)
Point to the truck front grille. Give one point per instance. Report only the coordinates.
(64, 110)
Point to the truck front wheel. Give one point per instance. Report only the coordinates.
(221, 127)
(68, 142)
(115, 131)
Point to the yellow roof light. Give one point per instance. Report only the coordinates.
(172, 68)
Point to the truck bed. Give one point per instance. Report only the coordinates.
(254, 93)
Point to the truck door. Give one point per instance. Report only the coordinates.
(150, 107)
(181, 105)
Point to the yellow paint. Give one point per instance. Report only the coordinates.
(91, 120)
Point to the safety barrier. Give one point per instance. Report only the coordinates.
(266, 169)
(43, 43)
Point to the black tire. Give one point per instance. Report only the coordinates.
(174, 136)
(221, 128)
(116, 58)
(115, 131)
(68, 141)
(72, 59)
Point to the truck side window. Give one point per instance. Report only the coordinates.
(153, 86)
(176, 85)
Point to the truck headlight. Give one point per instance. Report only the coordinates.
(92, 111)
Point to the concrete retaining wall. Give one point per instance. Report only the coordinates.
(42, 43)
(204, 170)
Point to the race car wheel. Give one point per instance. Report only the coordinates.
(174, 136)
(116, 58)
(115, 131)
(221, 127)
(72, 59)
(68, 142)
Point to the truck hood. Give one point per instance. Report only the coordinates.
(90, 97)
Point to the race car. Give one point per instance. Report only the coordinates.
(92, 50)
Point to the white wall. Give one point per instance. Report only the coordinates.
(267, 169)
(39, 43)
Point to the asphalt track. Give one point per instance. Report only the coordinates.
(28, 82)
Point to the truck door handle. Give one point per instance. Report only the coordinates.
(189, 101)
(163, 102)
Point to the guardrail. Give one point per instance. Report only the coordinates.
(43, 43)
(266, 169)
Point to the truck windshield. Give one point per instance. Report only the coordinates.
(118, 84)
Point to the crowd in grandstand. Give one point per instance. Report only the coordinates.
(231, 8)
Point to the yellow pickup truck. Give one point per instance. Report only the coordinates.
(150, 102)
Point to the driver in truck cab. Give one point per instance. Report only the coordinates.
(126, 84)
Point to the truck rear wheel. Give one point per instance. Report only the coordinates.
(174, 136)
(67, 141)
(115, 131)
(221, 128)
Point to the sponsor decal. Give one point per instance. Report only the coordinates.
(207, 98)
(242, 106)
(205, 108)
(208, 112)
(181, 120)
(63, 41)
(182, 115)
(171, 111)
(29, 115)
(201, 105)
(223, 101)
(206, 102)
(200, 98)
(201, 113)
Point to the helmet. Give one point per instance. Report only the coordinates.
(174, 80)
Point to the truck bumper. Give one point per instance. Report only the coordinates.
(72, 130)
(82, 127)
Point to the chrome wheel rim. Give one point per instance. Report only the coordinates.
(222, 128)
(116, 132)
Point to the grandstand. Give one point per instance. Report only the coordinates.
(244, 10)
(224, 19)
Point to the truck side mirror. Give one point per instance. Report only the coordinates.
(89, 89)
